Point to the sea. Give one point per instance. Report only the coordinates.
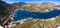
(23, 14)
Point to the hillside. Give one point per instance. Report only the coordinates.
(4, 11)
(33, 7)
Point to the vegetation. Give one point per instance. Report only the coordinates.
(3, 11)
(40, 23)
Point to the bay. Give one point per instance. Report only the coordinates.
(22, 14)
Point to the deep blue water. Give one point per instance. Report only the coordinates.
(22, 14)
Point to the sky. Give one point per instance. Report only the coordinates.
(34, 1)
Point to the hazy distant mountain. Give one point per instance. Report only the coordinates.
(20, 3)
(17, 5)
(58, 6)
(47, 3)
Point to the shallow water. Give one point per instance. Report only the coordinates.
(22, 14)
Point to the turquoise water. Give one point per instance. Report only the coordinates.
(22, 14)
